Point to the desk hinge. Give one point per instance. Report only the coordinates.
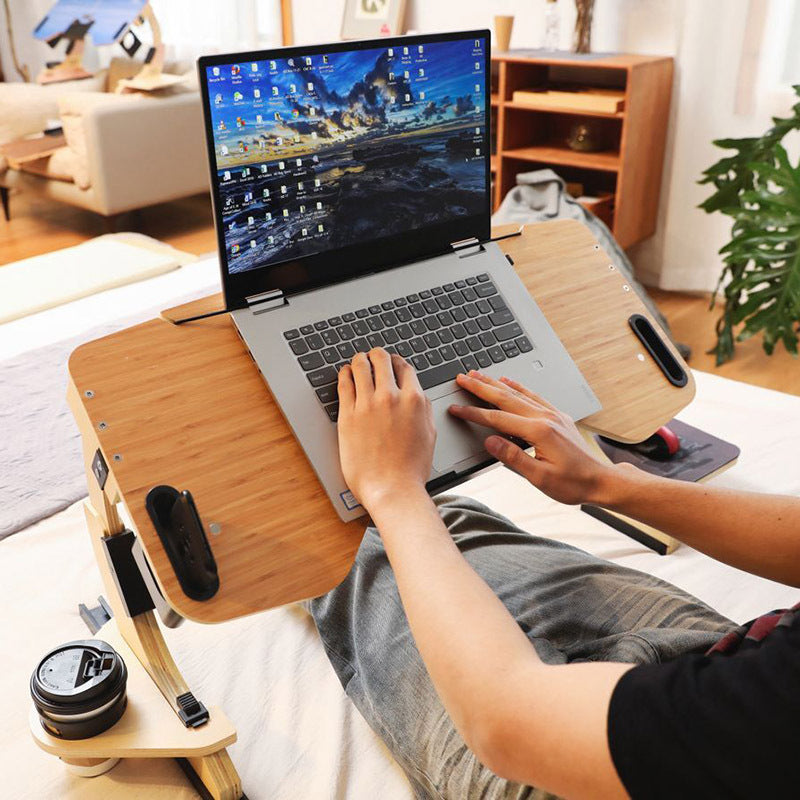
(266, 301)
(467, 247)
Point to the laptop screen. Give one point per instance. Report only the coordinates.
(324, 151)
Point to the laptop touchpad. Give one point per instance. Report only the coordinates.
(456, 439)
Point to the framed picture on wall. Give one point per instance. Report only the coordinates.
(368, 19)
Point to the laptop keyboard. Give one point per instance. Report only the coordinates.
(441, 331)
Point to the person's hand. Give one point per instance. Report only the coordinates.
(386, 431)
(562, 467)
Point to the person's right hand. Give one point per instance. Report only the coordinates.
(562, 466)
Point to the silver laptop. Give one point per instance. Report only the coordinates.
(351, 186)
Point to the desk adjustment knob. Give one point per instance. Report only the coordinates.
(178, 525)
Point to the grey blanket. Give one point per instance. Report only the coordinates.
(540, 196)
(41, 466)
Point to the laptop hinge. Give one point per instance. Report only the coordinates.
(266, 301)
(467, 247)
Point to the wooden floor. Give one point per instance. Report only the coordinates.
(39, 226)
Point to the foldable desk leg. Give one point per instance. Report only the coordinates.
(142, 632)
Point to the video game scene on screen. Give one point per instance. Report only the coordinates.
(319, 152)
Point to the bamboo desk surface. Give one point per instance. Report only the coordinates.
(186, 406)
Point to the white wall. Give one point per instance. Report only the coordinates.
(706, 40)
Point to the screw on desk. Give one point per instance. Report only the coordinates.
(611, 266)
(626, 287)
(117, 456)
(89, 393)
(215, 528)
(102, 425)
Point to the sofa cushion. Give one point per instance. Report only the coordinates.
(72, 109)
(25, 108)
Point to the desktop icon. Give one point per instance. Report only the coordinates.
(293, 88)
(319, 205)
(302, 209)
(223, 149)
(267, 217)
(234, 249)
(252, 244)
(308, 62)
(222, 126)
(390, 52)
(281, 164)
(317, 182)
(421, 72)
(273, 65)
(279, 141)
(259, 119)
(324, 59)
(320, 227)
(299, 162)
(285, 212)
(237, 96)
(310, 86)
(420, 49)
(304, 231)
(478, 88)
(290, 62)
(275, 91)
(226, 176)
(251, 221)
(248, 197)
(232, 226)
(263, 169)
(405, 51)
(215, 71)
(265, 193)
(256, 93)
(246, 172)
(422, 95)
(218, 99)
(235, 70)
(254, 67)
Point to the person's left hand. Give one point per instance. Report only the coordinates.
(386, 430)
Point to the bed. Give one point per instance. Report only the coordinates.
(299, 735)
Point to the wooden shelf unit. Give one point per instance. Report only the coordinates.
(528, 137)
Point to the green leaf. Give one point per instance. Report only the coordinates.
(758, 187)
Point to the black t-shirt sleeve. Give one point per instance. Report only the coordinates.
(711, 726)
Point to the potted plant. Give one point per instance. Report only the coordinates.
(759, 188)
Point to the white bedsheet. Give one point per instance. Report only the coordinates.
(299, 736)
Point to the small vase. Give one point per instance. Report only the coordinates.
(583, 26)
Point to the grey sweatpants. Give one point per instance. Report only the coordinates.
(571, 605)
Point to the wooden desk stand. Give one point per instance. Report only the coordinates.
(150, 726)
(186, 406)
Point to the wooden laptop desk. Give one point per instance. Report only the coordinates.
(186, 406)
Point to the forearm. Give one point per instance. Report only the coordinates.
(759, 533)
(470, 643)
(522, 718)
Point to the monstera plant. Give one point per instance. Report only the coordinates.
(759, 188)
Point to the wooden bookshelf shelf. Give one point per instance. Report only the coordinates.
(607, 161)
(493, 164)
(625, 171)
(571, 111)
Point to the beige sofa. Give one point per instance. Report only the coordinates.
(123, 151)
